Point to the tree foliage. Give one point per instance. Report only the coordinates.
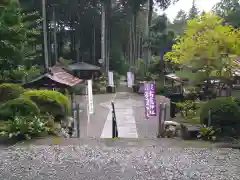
(229, 10)
(193, 12)
(179, 22)
(16, 39)
(207, 44)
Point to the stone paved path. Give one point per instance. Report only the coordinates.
(93, 127)
(125, 116)
(130, 116)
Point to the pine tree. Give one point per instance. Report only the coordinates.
(193, 12)
(17, 38)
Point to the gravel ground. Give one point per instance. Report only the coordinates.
(119, 160)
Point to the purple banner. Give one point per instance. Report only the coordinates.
(150, 99)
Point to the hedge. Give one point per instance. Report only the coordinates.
(225, 113)
(49, 101)
(10, 91)
(18, 107)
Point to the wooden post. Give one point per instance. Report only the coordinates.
(160, 121)
(78, 120)
(114, 123)
(165, 112)
(209, 118)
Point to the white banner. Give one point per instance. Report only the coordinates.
(129, 79)
(110, 79)
(90, 97)
(133, 79)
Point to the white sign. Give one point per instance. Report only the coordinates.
(129, 79)
(110, 79)
(90, 97)
(133, 79)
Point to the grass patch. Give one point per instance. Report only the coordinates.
(195, 120)
(186, 75)
(117, 138)
(56, 140)
(3, 125)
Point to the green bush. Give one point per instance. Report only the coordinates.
(116, 78)
(49, 102)
(48, 120)
(161, 89)
(21, 128)
(237, 100)
(10, 91)
(207, 133)
(78, 89)
(19, 106)
(225, 114)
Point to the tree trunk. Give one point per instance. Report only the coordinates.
(55, 36)
(146, 48)
(108, 33)
(150, 12)
(78, 38)
(72, 39)
(78, 50)
(103, 23)
(49, 39)
(94, 45)
(135, 38)
(130, 44)
(45, 33)
(94, 37)
(138, 48)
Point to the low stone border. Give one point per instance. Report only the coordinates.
(228, 145)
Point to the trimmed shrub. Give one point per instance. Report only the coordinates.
(49, 102)
(18, 107)
(10, 91)
(225, 114)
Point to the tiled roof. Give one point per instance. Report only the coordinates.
(57, 75)
(61, 76)
(81, 66)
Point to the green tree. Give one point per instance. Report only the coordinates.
(229, 10)
(127, 24)
(193, 12)
(209, 45)
(161, 37)
(202, 13)
(17, 38)
(179, 22)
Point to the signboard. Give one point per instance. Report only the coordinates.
(150, 99)
(129, 79)
(90, 97)
(110, 79)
